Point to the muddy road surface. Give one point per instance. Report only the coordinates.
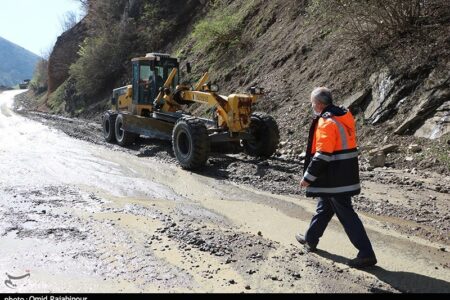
(78, 215)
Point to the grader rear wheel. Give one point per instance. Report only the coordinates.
(108, 125)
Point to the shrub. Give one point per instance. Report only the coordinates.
(68, 21)
(56, 100)
(104, 54)
(375, 22)
(119, 30)
(154, 28)
(39, 82)
(101, 61)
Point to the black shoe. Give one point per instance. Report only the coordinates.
(362, 262)
(301, 239)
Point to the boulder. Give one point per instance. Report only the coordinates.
(438, 125)
(382, 86)
(430, 117)
(355, 100)
(389, 93)
(377, 160)
(297, 151)
(428, 107)
(385, 149)
(415, 148)
(438, 77)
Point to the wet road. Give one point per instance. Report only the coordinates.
(80, 217)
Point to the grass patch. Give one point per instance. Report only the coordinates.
(56, 101)
(223, 28)
(219, 32)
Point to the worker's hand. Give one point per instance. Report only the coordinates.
(304, 183)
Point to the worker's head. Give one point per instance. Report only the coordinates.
(321, 97)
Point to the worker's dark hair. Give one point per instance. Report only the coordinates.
(323, 95)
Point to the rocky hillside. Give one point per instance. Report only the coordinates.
(64, 54)
(16, 63)
(393, 72)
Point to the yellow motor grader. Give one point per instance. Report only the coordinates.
(154, 106)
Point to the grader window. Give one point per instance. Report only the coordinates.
(146, 88)
(160, 77)
(164, 67)
(146, 73)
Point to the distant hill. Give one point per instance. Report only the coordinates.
(16, 63)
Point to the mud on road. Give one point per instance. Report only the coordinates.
(417, 201)
(81, 215)
(79, 242)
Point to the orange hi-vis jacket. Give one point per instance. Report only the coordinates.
(331, 164)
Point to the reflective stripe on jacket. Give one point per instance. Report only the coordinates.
(331, 164)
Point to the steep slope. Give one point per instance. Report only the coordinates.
(397, 85)
(16, 63)
(64, 54)
(285, 49)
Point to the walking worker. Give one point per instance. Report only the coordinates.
(332, 174)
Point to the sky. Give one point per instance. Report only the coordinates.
(35, 24)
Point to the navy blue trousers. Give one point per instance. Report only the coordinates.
(342, 207)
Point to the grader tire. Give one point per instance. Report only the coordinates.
(191, 143)
(124, 138)
(108, 125)
(265, 130)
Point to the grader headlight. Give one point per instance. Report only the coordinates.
(256, 91)
(214, 88)
(210, 87)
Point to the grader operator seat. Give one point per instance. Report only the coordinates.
(159, 81)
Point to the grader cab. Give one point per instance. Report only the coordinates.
(154, 106)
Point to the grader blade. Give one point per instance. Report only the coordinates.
(146, 126)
